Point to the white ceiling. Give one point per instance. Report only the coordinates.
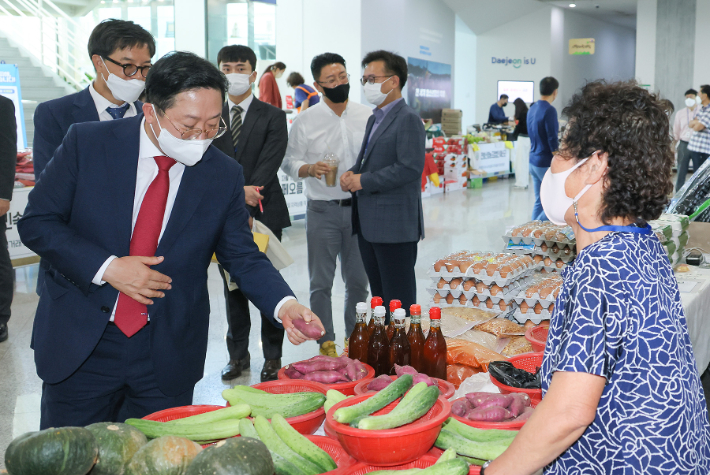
(484, 15)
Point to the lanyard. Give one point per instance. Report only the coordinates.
(614, 229)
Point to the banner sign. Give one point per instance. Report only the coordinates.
(429, 88)
(10, 88)
(581, 46)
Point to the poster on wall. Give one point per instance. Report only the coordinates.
(581, 46)
(429, 88)
(10, 88)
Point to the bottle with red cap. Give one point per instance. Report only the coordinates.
(416, 337)
(434, 354)
(374, 303)
(378, 346)
(359, 339)
(394, 305)
(399, 345)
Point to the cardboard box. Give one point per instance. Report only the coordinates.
(699, 236)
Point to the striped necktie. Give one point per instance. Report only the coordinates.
(236, 124)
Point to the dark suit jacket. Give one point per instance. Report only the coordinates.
(53, 118)
(8, 147)
(80, 213)
(388, 209)
(262, 146)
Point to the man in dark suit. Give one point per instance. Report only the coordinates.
(257, 140)
(386, 182)
(8, 159)
(121, 52)
(127, 215)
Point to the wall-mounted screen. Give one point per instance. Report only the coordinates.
(514, 89)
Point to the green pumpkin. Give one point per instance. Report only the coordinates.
(167, 455)
(235, 456)
(62, 451)
(117, 444)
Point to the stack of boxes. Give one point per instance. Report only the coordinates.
(452, 164)
(451, 121)
(672, 231)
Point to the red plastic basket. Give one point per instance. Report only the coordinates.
(392, 446)
(180, 413)
(491, 425)
(529, 362)
(328, 429)
(346, 388)
(446, 388)
(423, 462)
(335, 450)
(537, 336)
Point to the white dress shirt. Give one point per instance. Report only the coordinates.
(147, 171)
(319, 130)
(681, 128)
(102, 103)
(244, 105)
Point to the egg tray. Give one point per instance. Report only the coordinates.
(560, 254)
(456, 271)
(496, 310)
(521, 318)
(469, 294)
(480, 288)
(528, 240)
(497, 279)
(663, 228)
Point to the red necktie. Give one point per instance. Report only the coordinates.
(131, 315)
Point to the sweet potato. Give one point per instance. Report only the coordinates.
(423, 378)
(355, 370)
(518, 404)
(525, 415)
(489, 414)
(310, 330)
(326, 377)
(400, 370)
(461, 407)
(379, 383)
(306, 367)
(478, 398)
(500, 400)
(292, 372)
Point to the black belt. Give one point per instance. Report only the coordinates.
(347, 202)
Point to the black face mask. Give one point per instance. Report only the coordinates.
(337, 94)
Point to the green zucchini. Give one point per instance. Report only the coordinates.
(470, 448)
(472, 460)
(449, 467)
(301, 445)
(333, 397)
(448, 454)
(201, 432)
(416, 389)
(283, 466)
(246, 429)
(403, 414)
(399, 386)
(478, 435)
(275, 444)
(239, 411)
(266, 399)
(265, 405)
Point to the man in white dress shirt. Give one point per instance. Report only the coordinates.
(335, 125)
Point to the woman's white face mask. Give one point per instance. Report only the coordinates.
(553, 196)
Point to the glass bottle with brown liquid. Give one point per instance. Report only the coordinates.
(399, 345)
(374, 303)
(434, 354)
(394, 305)
(416, 337)
(378, 346)
(357, 343)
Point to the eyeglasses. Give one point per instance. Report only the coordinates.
(371, 79)
(192, 134)
(342, 79)
(130, 70)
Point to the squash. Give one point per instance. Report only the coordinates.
(61, 451)
(167, 455)
(236, 456)
(117, 444)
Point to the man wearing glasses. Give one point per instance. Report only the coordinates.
(257, 141)
(386, 182)
(128, 215)
(335, 125)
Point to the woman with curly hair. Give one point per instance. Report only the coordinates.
(621, 390)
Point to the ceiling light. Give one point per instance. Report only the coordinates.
(572, 5)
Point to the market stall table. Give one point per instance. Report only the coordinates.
(695, 292)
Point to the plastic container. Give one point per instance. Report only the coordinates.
(446, 388)
(537, 336)
(306, 424)
(392, 446)
(489, 425)
(335, 450)
(346, 388)
(182, 412)
(423, 462)
(328, 429)
(529, 362)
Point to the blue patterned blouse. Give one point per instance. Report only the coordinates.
(619, 315)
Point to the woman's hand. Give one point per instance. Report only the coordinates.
(569, 407)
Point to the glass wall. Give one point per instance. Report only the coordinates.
(241, 22)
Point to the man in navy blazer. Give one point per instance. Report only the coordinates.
(117, 333)
(386, 182)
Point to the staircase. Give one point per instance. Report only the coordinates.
(38, 83)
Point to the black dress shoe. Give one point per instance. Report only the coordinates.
(271, 370)
(234, 368)
(3, 332)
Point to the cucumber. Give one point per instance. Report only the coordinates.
(471, 460)
(246, 429)
(345, 415)
(403, 414)
(478, 435)
(265, 405)
(449, 454)
(274, 443)
(202, 432)
(470, 448)
(283, 466)
(448, 467)
(239, 411)
(261, 398)
(333, 397)
(301, 445)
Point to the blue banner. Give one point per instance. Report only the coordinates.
(10, 88)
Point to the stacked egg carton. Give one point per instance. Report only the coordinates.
(537, 301)
(552, 246)
(482, 280)
(672, 231)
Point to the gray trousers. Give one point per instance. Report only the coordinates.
(683, 160)
(330, 237)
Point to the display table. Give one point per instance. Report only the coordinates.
(695, 293)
